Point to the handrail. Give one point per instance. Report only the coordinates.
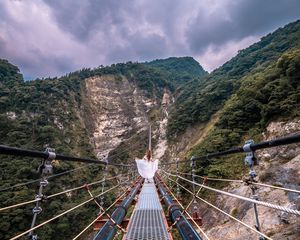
(38, 154)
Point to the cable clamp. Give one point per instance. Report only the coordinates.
(46, 166)
(86, 187)
(39, 197)
(252, 174)
(37, 210)
(255, 197)
(34, 237)
(51, 153)
(192, 164)
(250, 159)
(44, 182)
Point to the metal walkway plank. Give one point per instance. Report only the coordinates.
(147, 222)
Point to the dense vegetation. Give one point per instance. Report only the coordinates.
(46, 112)
(199, 100)
(246, 96)
(30, 114)
(258, 85)
(271, 94)
(179, 70)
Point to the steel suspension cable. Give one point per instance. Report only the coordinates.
(241, 181)
(186, 212)
(90, 224)
(275, 187)
(57, 194)
(62, 173)
(39, 154)
(220, 210)
(104, 212)
(266, 204)
(19, 204)
(253, 147)
(45, 155)
(102, 209)
(49, 177)
(227, 214)
(63, 213)
(209, 178)
(85, 185)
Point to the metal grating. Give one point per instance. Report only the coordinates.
(147, 221)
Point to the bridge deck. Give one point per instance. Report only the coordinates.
(148, 219)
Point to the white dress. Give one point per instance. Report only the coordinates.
(146, 168)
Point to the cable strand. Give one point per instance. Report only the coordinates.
(266, 204)
(55, 194)
(227, 214)
(62, 214)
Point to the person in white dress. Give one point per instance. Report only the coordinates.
(146, 166)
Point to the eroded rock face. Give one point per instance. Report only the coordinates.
(278, 166)
(114, 109)
(160, 133)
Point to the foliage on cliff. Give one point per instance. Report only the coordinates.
(35, 115)
(179, 70)
(48, 112)
(269, 90)
(263, 96)
(259, 84)
(199, 100)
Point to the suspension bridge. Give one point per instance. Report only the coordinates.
(145, 208)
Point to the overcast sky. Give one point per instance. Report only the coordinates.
(54, 37)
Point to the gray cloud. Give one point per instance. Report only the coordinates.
(49, 38)
(145, 48)
(82, 18)
(239, 19)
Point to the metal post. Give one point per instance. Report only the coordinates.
(250, 161)
(103, 187)
(150, 137)
(177, 186)
(44, 169)
(193, 172)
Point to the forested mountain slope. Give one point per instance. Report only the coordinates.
(87, 113)
(198, 100)
(255, 95)
(97, 112)
(257, 86)
(179, 70)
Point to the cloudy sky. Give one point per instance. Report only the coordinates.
(50, 38)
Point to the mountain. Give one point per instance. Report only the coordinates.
(199, 100)
(102, 112)
(256, 86)
(255, 95)
(105, 113)
(179, 70)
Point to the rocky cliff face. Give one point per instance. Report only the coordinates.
(278, 166)
(114, 109)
